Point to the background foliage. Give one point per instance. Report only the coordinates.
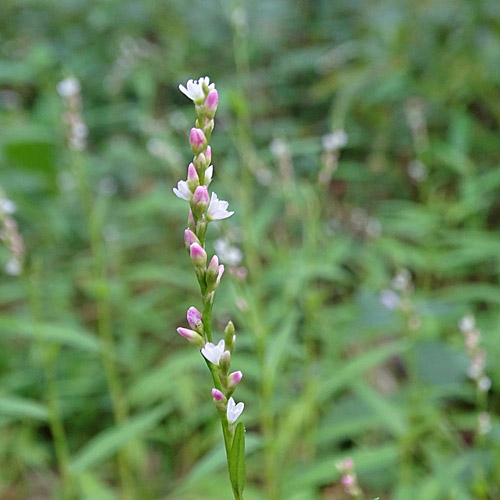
(101, 399)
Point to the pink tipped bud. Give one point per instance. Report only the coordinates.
(201, 199)
(191, 222)
(348, 464)
(193, 337)
(194, 318)
(192, 178)
(197, 140)
(208, 154)
(198, 255)
(213, 267)
(190, 238)
(219, 274)
(217, 395)
(211, 103)
(348, 480)
(234, 379)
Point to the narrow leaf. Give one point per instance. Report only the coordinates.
(237, 465)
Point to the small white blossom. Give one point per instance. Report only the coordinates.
(234, 410)
(467, 323)
(7, 206)
(68, 87)
(182, 191)
(213, 352)
(194, 88)
(217, 209)
(228, 254)
(390, 299)
(334, 141)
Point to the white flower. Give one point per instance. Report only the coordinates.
(234, 410)
(194, 88)
(213, 352)
(68, 87)
(334, 141)
(227, 253)
(7, 206)
(182, 191)
(217, 209)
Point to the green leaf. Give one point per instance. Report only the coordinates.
(22, 408)
(108, 442)
(237, 465)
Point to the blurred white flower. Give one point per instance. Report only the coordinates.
(334, 141)
(68, 87)
(228, 254)
(390, 299)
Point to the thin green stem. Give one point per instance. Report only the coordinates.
(104, 321)
(48, 358)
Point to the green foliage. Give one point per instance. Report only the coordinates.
(101, 399)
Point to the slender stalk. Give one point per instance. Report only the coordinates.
(104, 320)
(48, 356)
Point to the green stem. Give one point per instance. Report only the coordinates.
(50, 376)
(104, 324)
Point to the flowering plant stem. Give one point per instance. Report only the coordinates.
(204, 209)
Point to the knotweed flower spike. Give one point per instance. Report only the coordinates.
(204, 208)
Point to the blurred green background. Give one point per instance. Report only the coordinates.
(358, 144)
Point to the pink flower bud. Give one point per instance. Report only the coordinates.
(348, 480)
(217, 395)
(190, 238)
(211, 103)
(213, 267)
(191, 222)
(219, 275)
(198, 140)
(201, 199)
(194, 318)
(348, 464)
(208, 154)
(198, 255)
(234, 379)
(192, 178)
(193, 337)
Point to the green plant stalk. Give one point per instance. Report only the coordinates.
(104, 329)
(246, 153)
(52, 393)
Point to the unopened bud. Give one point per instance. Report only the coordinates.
(192, 179)
(208, 175)
(234, 379)
(209, 153)
(198, 255)
(194, 319)
(190, 238)
(192, 336)
(211, 103)
(191, 222)
(218, 395)
(209, 126)
(197, 140)
(229, 336)
(201, 199)
(225, 362)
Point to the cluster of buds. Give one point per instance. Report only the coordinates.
(69, 89)
(10, 235)
(349, 479)
(477, 355)
(205, 208)
(399, 296)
